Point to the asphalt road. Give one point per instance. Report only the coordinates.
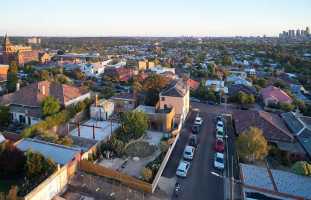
(200, 183)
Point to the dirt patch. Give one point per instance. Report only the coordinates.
(140, 149)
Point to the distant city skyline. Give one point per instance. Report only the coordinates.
(153, 18)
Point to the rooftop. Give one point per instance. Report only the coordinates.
(58, 153)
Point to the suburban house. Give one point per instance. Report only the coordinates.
(193, 84)
(250, 71)
(25, 103)
(176, 95)
(300, 127)
(124, 102)
(299, 92)
(272, 95)
(119, 73)
(161, 70)
(94, 69)
(238, 80)
(3, 77)
(101, 109)
(159, 119)
(217, 85)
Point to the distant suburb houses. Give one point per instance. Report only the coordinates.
(25, 103)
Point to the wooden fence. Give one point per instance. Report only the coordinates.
(130, 181)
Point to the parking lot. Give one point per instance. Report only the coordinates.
(200, 183)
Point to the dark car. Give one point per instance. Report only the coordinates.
(193, 141)
(195, 129)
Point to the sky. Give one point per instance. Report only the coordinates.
(152, 17)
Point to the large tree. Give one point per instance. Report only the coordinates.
(12, 77)
(4, 116)
(133, 124)
(152, 86)
(50, 106)
(252, 145)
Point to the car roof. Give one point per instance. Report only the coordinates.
(221, 129)
(182, 165)
(189, 148)
(220, 155)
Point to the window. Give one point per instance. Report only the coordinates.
(162, 98)
(22, 119)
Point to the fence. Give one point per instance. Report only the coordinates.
(130, 181)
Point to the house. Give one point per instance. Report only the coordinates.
(44, 57)
(238, 74)
(119, 73)
(300, 127)
(162, 70)
(235, 89)
(94, 69)
(237, 80)
(299, 92)
(272, 95)
(25, 103)
(273, 127)
(217, 85)
(193, 84)
(250, 71)
(176, 95)
(124, 102)
(101, 109)
(159, 119)
(60, 154)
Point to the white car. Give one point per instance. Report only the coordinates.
(198, 121)
(219, 161)
(219, 124)
(189, 152)
(183, 168)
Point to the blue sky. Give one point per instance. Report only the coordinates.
(152, 17)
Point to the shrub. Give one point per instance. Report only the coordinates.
(302, 168)
(147, 174)
(50, 106)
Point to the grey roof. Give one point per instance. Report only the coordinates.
(58, 153)
(175, 89)
(305, 140)
(292, 122)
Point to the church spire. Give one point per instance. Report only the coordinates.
(6, 40)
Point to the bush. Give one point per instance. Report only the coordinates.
(302, 168)
(147, 174)
(50, 106)
(114, 145)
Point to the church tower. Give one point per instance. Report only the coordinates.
(7, 46)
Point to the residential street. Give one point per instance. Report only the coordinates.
(200, 183)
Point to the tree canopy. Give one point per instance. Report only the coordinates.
(252, 145)
(12, 78)
(152, 86)
(50, 106)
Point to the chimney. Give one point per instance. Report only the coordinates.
(17, 86)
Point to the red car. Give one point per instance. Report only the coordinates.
(219, 145)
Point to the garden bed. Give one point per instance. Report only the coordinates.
(140, 149)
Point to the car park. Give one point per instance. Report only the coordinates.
(219, 161)
(193, 141)
(219, 145)
(183, 168)
(189, 152)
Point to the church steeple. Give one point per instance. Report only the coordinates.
(6, 41)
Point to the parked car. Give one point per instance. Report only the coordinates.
(220, 133)
(183, 168)
(196, 129)
(198, 121)
(193, 141)
(219, 124)
(219, 118)
(219, 145)
(211, 102)
(193, 99)
(219, 161)
(189, 152)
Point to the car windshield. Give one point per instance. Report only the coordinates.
(188, 152)
(220, 160)
(219, 142)
(220, 124)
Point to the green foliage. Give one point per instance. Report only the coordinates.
(152, 86)
(37, 165)
(133, 125)
(12, 77)
(4, 116)
(261, 82)
(115, 145)
(302, 168)
(252, 145)
(12, 161)
(286, 107)
(243, 99)
(50, 106)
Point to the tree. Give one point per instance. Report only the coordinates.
(37, 165)
(252, 145)
(227, 60)
(12, 77)
(244, 99)
(50, 106)
(287, 107)
(4, 116)
(12, 161)
(147, 174)
(302, 168)
(133, 124)
(152, 86)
